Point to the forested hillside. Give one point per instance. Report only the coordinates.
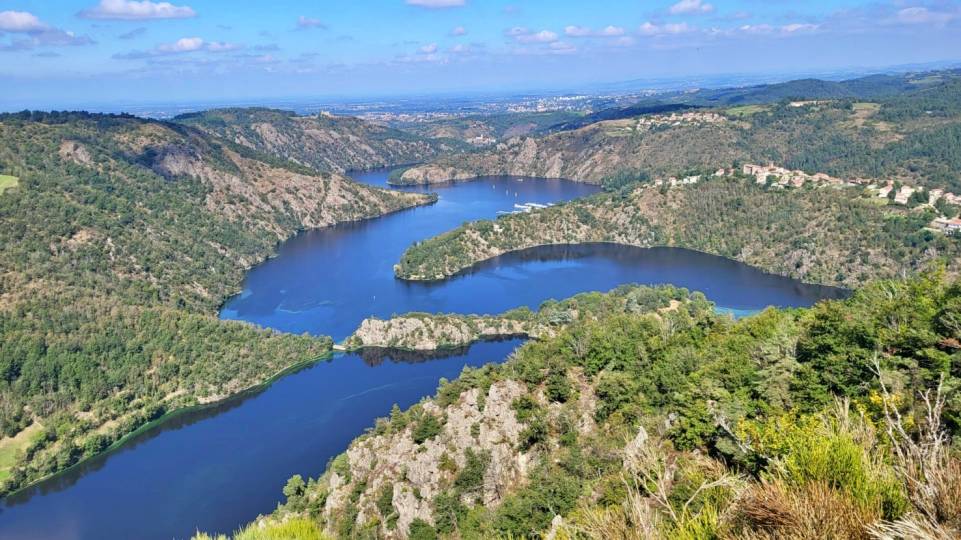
(323, 142)
(118, 243)
(659, 419)
(819, 235)
(913, 136)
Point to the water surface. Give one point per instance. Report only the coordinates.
(218, 468)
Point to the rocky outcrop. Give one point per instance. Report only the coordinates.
(324, 142)
(591, 153)
(425, 332)
(432, 173)
(393, 474)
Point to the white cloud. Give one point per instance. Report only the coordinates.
(182, 45)
(583, 31)
(650, 29)
(612, 31)
(37, 33)
(799, 28)
(923, 15)
(691, 6)
(221, 46)
(430, 48)
(20, 21)
(544, 36)
(577, 31)
(460, 48)
(309, 22)
(458, 31)
(436, 4)
(132, 10)
(560, 47)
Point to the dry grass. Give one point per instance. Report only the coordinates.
(925, 464)
(812, 511)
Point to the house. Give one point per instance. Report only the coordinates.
(904, 194)
(948, 226)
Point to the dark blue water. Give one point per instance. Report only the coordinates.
(327, 281)
(218, 468)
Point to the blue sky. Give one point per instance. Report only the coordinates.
(73, 51)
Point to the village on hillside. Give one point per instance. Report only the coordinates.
(897, 193)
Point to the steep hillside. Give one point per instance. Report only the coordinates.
(478, 129)
(828, 422)
(820, 235)
(323, 142)
(913, 136)
(119, 242)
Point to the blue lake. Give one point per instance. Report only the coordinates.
(217, 468)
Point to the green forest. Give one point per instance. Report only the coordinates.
(837, 421)
(885, 129)
(819, 235)
(113, 264)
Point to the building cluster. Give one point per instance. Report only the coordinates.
(780, 176)
(764, 174)
(677, 119)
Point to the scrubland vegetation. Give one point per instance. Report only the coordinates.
(841, 420)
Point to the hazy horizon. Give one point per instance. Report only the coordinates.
(106, 51)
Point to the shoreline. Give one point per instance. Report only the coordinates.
(166, 417)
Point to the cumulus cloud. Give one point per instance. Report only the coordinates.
(132, 10)
(525, 35)
(20, 21)
(651, 29)
(582, 31)
(577, 31)
(691, 7)
(430, 48)
(305, 23)
(785, 30)
(35, 33)
(458, 31)
(436, 4)
(181, 46)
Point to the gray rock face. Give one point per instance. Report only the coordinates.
(416, 474)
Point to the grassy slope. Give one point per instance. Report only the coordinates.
(7, 182)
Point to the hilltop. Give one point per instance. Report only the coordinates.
(120, 241)
(909, 130)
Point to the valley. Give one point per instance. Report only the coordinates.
(778, 325)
